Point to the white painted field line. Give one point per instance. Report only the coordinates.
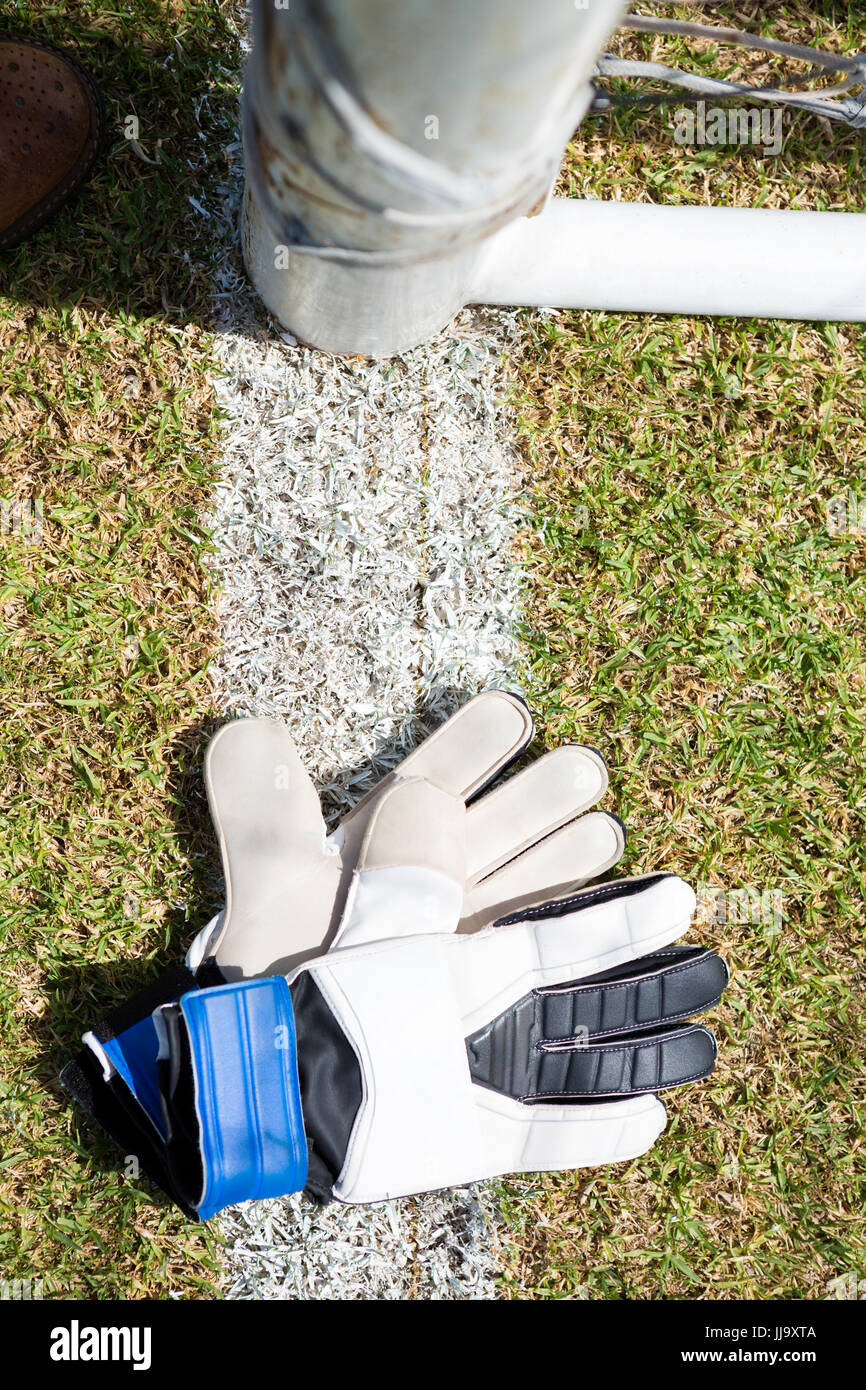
(364, 526)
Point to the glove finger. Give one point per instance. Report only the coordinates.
(411, 866)
(545, 1138)
(665, 987)
(280, 883)
(594, 930)
(554, 790)
(556, 867)
(623, 1065)
(472, 747)
(462, 757)
(466, 753)
(617, 1032)
(653, 1061)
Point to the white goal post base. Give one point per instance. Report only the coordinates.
(399, 159)
(621, 257)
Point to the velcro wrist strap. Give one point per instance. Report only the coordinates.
(229, 1083)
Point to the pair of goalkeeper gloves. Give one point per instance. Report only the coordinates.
(429, 996)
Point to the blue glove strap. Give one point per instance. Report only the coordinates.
(127, 1035)
(133, 1053)
(247, 1096)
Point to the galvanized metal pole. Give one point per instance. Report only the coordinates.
(387, 141)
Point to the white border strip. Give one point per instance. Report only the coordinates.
(364, 525)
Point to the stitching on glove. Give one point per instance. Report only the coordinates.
(550, 991)
(640, 1046)
(610, 1032)
(585, 898)
(615, 1091)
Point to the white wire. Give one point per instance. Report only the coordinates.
(852, 110)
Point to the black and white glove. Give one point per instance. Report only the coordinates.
(398, 1066)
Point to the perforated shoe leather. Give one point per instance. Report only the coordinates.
(51, 126)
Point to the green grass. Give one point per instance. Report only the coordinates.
(691, 615)
(695, 618)
(105, 630)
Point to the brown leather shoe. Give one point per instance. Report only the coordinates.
(51, 125)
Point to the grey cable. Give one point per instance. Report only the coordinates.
(851, 110)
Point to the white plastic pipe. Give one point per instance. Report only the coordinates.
(647, 258)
